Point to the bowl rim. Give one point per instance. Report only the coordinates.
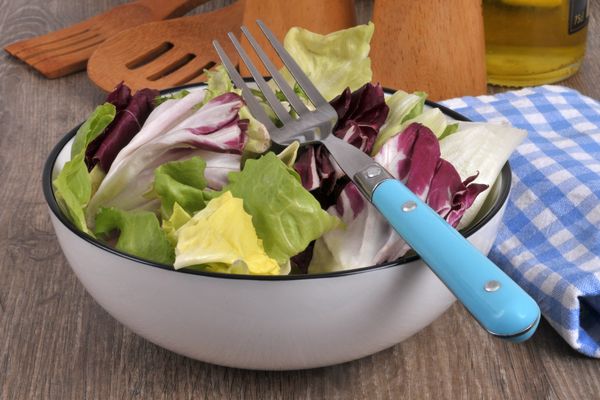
(54, 208)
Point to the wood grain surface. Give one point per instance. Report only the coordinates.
(445, 58)
(57, 343)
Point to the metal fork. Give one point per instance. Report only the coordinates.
(496, 302)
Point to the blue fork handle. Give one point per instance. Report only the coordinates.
(501, 306)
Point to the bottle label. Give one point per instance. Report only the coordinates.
(578, 15)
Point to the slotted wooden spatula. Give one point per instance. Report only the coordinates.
(163, 54)
(67, 50)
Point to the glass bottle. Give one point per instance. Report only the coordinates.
(534, 42)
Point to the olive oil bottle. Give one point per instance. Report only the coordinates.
(533, 42)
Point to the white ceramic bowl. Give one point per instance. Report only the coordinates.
(267, 323)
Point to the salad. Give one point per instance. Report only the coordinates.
(190, 179)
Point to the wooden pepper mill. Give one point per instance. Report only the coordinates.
(320, 16)
(436, 46)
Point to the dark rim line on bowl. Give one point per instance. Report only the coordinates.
(52, 203)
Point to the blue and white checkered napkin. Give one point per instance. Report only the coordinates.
(550, 239)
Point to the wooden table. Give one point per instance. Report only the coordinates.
(57, 343)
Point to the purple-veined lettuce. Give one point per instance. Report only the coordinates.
(408, 108)
(413, 157)
(214, 128)
(219, 83)
(483, 147)
(403, 106)
(360, 115)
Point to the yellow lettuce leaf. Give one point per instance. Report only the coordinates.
(221, 238)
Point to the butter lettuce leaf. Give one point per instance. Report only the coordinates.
(286, 216)
(139, 234)
(177, 219)
(222, 238)
(332, 62)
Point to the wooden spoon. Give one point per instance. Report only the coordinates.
(164, 54)
(67, 50)
(432, 45)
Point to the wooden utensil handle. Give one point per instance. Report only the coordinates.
(163, 9)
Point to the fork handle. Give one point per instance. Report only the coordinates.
(163, 9)
(501, 306)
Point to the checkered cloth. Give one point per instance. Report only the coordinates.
(549, 242)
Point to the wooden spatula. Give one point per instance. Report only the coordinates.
(163, 54)
(67, 50)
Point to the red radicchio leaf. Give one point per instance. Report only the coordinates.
(126, 125)
(213, 136)
(422, 151)
(301, 260)
(450, 197)
(360, 115)
(413, 157)
(119, 98)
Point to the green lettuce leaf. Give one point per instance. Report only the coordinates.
(73, 187)
(332, 62)
(289, 155)
(96, 123)
(139, 234)
(408, 108)
(432, 118)
(403, 106)
(286, 216)
(218, 82)
(450, 129)
(181, 182)
(171, 96)
(259, 139)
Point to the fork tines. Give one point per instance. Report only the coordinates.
(254, 106)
